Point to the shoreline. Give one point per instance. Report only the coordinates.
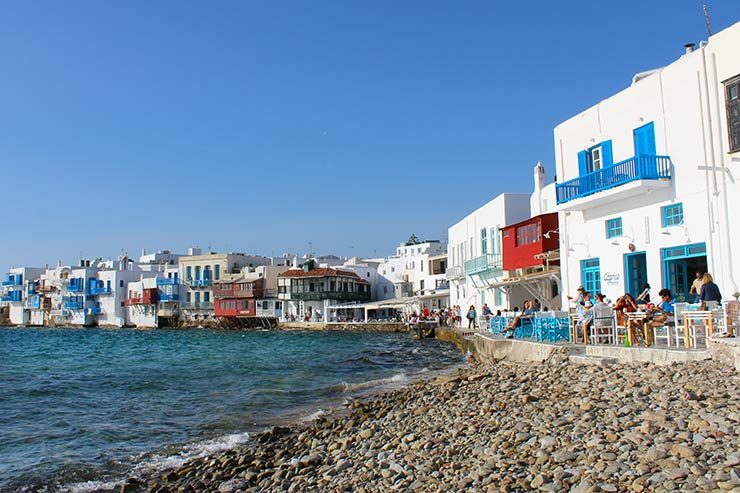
(280, 327)
(501, 427)
(298, 418)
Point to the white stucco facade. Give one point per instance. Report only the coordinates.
(654, 229)
(417, 269)
(477, 236)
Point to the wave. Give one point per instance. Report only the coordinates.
(353, 387)
(313, 416)
(156, 462)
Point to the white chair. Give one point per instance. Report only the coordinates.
(604, 324)
(679, 332)
(697, 326)
(663, 332)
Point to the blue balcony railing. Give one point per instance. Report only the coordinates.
(167, 281)
(95, 309)
(76, 285)
(73, 305)
(195, 283)
(13, 280)
(33, 301)
(632, 169)
(99, 289)
(16, 295)
(169, 297)
(489, 261)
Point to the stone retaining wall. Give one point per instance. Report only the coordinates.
(370, 327)
(658, 356)
(726, 351)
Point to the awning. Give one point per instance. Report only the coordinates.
(535, 283)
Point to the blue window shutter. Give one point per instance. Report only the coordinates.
(582, 163)
(606, 154)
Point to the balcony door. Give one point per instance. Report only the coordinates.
(645, 140)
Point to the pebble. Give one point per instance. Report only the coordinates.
(503, 427)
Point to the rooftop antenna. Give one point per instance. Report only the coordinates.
(310, 248)
(706, 19)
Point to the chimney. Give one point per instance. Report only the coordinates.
(689, 47)
(539, 176)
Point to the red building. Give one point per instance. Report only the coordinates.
(237, 298)
(525, 242)
(148, 297)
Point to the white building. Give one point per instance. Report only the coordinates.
(416, 270)
(475, 253)
(647, 178)
(19, 293)
(307, 292)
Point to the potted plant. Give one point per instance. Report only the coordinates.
(736, 295)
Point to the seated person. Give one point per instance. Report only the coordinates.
(625, 304)
(662, 313)
(528, 313)
(585, 313)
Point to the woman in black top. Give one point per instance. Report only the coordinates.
(709, 290)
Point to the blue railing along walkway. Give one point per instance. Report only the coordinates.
(541, 329)
(632, 169)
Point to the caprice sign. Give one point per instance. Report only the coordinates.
(612, 278)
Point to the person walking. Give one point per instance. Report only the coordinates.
(471, 317)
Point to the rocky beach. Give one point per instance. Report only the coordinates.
(503, 427)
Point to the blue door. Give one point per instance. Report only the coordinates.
(635, 273)
(679, 263)
(591, 275)
(645, 140)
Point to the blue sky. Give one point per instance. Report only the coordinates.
(261, 126)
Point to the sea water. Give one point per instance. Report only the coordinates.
(82, 408)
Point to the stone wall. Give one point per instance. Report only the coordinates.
(371, 327)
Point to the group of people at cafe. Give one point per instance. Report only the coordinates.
(659, 314)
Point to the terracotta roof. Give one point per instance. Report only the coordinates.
(319, 272)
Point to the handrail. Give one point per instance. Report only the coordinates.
(483, 263)
(632, 169)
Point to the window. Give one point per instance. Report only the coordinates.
(591, 275)
(207, 296)
(732, 98)
(187, 296)
(197, 297)
(527, 234)
(483, 241)
(188, 272)
(421, 284)
(672, 215)
(197, 272)
(594, 161)
(385, 289)
(217, 272)
(614, 227)
(120, 283)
